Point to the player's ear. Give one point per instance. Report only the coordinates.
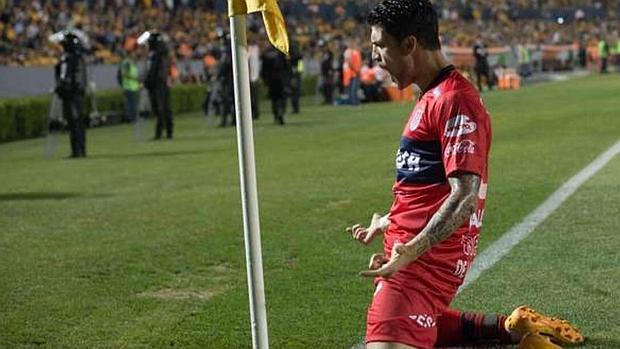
(409, 44)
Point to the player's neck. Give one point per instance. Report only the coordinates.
(431, 65)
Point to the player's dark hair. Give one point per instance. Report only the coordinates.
(402, 18)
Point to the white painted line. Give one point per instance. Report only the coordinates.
(498, 249)
(517, 233)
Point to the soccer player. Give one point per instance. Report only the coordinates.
(431, 231)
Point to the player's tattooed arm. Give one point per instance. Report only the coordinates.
(458, 207)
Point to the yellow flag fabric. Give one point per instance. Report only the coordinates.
(272, 17)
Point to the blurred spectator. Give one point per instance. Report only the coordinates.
(560, 34)
(275, 74)
(70, 73)
(224, 90)
(615, 50)
(326, 79)
(297, 69)
(351, 71)
(603, 52)
(158, 84)
(524, 60)
(372, 78)
(482, 68)
(128, 79)
(209, 66)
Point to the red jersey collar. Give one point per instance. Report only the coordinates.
(441, 76)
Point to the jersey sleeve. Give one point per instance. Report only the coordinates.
(464, 133)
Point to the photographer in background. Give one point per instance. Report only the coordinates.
(70, 77)
(156, 81)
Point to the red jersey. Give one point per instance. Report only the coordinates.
(448, 131)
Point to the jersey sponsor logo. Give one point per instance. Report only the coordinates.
(416, 118)
(407, 160)
(463, 147)
(475, 220)
(461, 268)
(459, 125)
(423, 320)
(419, 161)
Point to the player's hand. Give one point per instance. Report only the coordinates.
(385, 268)
(377, 260)
(366, 235)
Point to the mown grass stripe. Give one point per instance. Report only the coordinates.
(517, 233)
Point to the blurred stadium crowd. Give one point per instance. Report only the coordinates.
(520, 37)
(192, 24)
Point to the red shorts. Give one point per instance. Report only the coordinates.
(403, 315)
(405, 307)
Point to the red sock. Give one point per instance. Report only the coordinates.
(457, 328)
(449, 332)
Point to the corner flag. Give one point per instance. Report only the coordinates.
(272, 17)
(276, 30)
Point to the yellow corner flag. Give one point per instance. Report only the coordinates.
(272, 17)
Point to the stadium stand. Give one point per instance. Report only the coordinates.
(192, 25)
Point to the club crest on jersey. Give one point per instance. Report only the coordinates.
(470, 244)
(416, 118)
(459, 125)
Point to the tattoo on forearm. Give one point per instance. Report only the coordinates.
(460, 204)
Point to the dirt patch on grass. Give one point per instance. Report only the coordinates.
(183, 294)
(339, 203)
(192, 286)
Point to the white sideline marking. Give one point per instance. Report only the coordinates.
(517, 233)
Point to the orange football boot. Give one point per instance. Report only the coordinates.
(537, 341)
(524, 320)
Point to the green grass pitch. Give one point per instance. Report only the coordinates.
(141, 244)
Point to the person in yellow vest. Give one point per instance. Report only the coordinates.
(130, 84)
(524, 59)
(603, 53)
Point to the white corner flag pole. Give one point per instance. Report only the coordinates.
(247, 171)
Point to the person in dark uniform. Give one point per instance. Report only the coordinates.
(297, 69)
(156, 82)
(275, 75)
(225, 82)
(482, 64)
(70, 73)
(327, 73)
